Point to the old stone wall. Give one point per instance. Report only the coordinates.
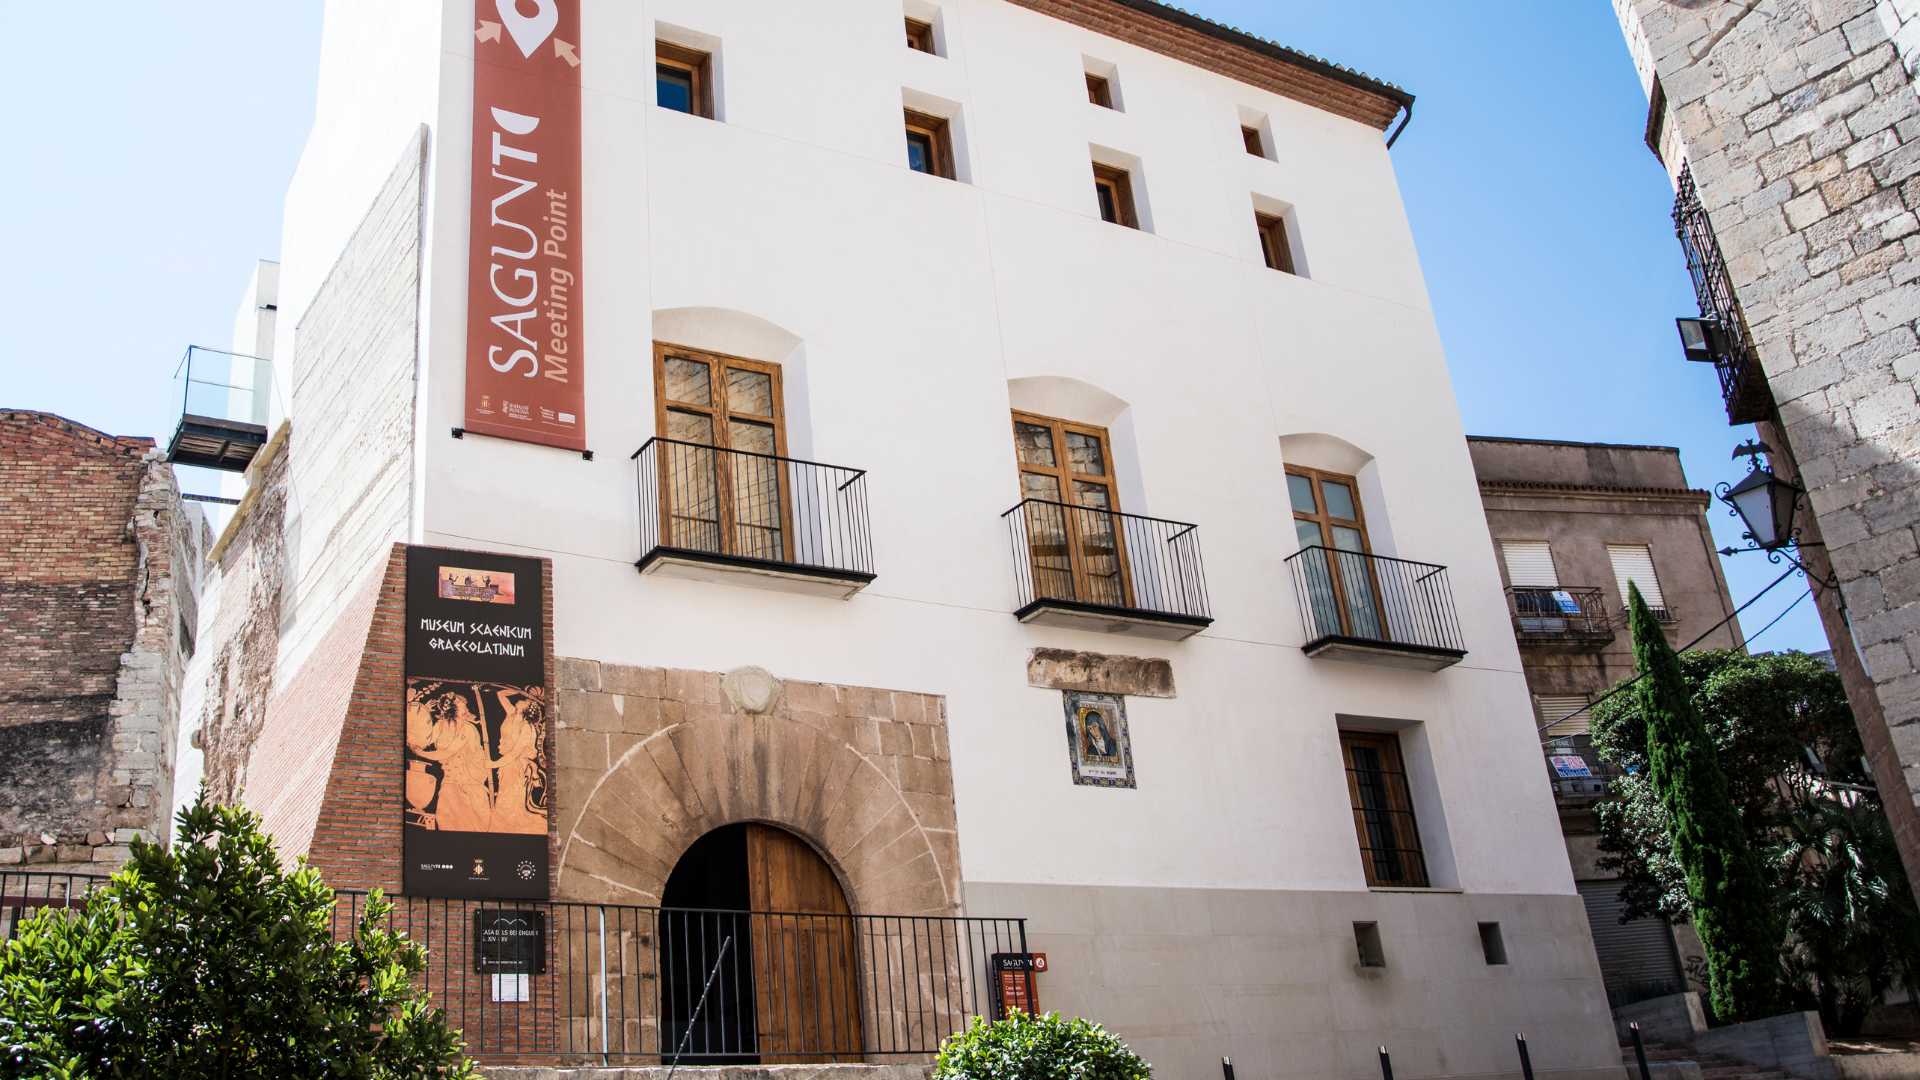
(649, 760)
(240, 642)
(95, 571)
(1801, 127)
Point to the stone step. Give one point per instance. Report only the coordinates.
(1712, 1066)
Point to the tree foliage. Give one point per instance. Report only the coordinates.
(1048, 1047)
(1847, 929)
(1724, 883)
(210, 959)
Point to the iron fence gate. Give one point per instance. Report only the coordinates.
(568, 982)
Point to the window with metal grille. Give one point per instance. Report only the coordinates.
(1383, 809)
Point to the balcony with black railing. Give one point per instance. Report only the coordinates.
(715, 514)
(1376, 609)
(1559, 615)
(1095, 569)
(1743, 384)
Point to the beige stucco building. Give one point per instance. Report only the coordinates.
(1573, 523)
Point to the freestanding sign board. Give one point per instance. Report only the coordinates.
(1013, 983)
(524, 349)
(477, 792)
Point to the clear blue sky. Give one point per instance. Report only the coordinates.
(148, 150)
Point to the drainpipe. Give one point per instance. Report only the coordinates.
(1406, 118)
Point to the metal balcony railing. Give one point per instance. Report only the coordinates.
(224, 397)
(1374, 601)
(1544, 615)
(1103, 561)
(760, 511)
(620, 983)
(1743, 384)
(1566, 756)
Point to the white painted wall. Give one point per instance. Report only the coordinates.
(914, 301)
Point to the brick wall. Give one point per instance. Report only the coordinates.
(91, 534)
(356, 836)
(1801, 126)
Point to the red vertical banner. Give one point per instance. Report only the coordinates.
(524, 347)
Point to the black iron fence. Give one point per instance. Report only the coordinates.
(1374, 599)
(1557, 614)
(569, 982)
(1743, 384)
(735, 506)
(1102, 559)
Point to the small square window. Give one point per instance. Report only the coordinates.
(1492, 946)
(1274, 246)
(1251, 137)
(682, 80)
(1099, 90)
(929, 144)
(1366, 941)
(1114, 188)
(920, 36)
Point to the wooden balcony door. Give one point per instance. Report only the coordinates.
(806, 979)
(735, 504)
(1075, 536)
(1343, 588)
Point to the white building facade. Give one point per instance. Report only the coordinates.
(1311, 821)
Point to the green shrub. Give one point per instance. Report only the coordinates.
(209, 959)
(1023, 1047)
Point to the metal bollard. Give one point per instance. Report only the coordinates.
(1526, 1060)
(1639, 1050)
(1386, 1065)
(1226, 1068)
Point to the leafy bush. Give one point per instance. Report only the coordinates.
(209, 959)
(1024, 1047)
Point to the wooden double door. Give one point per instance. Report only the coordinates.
(1076, 536)
(787, 989)
(725, 480)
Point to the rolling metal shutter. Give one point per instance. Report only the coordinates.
(1529, 564)
(1551, 708)
(1637, 959)
(1634, 562)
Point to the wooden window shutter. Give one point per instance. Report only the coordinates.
(1529, 564)
(1634, 563)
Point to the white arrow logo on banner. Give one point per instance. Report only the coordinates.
(529, 32)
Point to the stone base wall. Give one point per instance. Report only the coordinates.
(1272, 979)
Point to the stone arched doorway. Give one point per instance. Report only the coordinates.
(759, 953)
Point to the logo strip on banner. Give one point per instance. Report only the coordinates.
(525, 377)
(478, 789)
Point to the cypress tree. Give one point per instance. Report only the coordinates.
(1724, 879)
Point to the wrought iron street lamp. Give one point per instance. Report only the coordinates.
(1766, 505)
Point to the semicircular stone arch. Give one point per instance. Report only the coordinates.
(650, 760)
